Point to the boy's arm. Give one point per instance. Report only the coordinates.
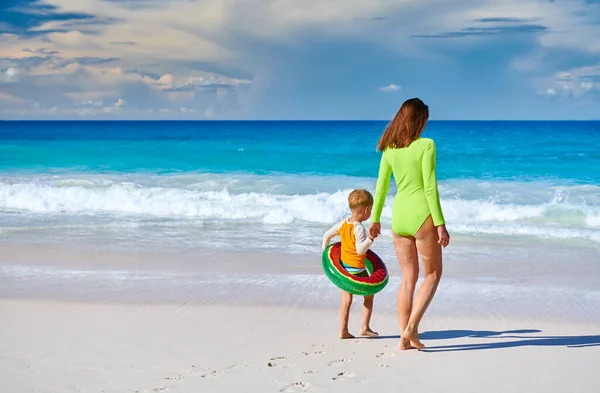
(363, 242)
(331, 233)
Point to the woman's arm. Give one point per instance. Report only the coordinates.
(381, 190)
(430, 184)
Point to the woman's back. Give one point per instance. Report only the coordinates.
(417, 195)
(415, 235)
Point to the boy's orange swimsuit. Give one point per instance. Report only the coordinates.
(355, 244)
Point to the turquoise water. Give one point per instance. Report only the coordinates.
(527, 151)
(260, 184)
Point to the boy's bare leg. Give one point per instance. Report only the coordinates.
(366, 317)
(345, 315)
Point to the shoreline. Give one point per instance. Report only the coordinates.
(516, 288)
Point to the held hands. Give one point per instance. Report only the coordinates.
(374, 230)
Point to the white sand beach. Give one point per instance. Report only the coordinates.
(148, 323)
(95, 347)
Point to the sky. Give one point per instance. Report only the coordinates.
(291, 59)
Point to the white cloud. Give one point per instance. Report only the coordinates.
(390, 88)
(575, 82)
(209, 112)
(11, 74)
(163, 49)
(116, 107)
(92, 103)
(587, 86)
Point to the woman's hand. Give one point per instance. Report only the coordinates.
(443, 236)
(374, 229)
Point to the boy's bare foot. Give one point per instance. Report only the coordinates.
(369, 333)
(346, 335)
(413, 338)
(405, 345)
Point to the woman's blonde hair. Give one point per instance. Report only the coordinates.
(406, 127)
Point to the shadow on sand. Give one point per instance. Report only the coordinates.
(449, 334)
(509, 339)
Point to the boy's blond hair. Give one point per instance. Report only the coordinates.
(360, 198)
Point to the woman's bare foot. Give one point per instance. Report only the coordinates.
(368, 333)
(345, 335)
(405, 345)
(413, 338)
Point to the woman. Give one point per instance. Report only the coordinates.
(418, 226)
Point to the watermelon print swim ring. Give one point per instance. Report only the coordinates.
(363, 286)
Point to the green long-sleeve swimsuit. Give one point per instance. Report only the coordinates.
(417, 194)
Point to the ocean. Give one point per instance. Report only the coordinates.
(281, 184)
(521, 200)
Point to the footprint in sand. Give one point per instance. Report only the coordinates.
(343, 375)
(277, 362)
(313, 353)
(311, 372)
(176, 378)
(212, 374)
(381, 365)
(386, 355)
(296, 387)
(161, 389)
(318, 345)
(338, 362)
(233, 367)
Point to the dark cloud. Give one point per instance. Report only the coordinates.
(506, 20)
(151, 75)
(138, 4)
(592, 78)
(23, 15)
(127, 43)
(26, 62)
(87, 60)
(55, 62)
(41, 51)
(487, 31)
(375, 18)
(201, 87)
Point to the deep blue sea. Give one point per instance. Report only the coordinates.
(276, 184)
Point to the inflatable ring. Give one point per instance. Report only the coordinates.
(363, 286)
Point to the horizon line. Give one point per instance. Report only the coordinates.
(287, 120)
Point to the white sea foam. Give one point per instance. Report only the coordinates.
(472, 209)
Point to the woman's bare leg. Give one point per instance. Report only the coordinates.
(406, 251)
(431, 256)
